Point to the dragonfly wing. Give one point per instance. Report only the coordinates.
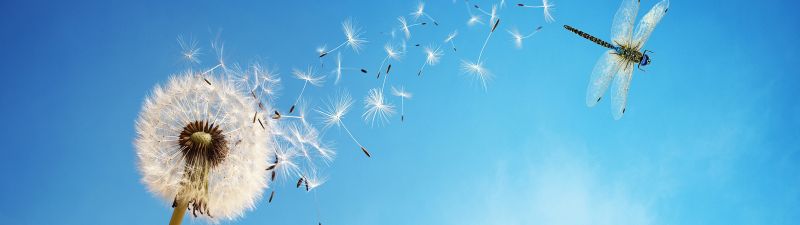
(619, 95)
(603, 71)
(622, 27)
(649, 22)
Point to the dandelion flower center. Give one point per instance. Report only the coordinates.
(204, 147)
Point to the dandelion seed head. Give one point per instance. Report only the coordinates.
(420, 10)
(400, 92)
(477, 70)
(353, 35)
(432, 55)
(377, 109)
(404, 26)
(189, 50)
(391, 52)
(474, 19)
(335, 109)
(309, 76)
(451, 36)
(517, 37)
(224, 186)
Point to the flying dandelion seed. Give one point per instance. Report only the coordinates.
(406, 28)
(377, 109)
(420, 12)
(477, 70)
(518, 37)
(546, 7)
(401, 92)
(451, 39)
(308, 77)
(196, 144)
(189, 50)
(391, 53)
(353, 38)
(335, 110)
(339, 69)
(432, 56)
(474, 19)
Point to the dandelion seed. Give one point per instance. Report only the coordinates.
(432, 56)
(339, 69)
(335, 110)
(401, 92)
(194, 145)
(518, 37)
(420, 12)
(353, 38)
(474, 19)
(406, 28)
(377, 108)
(271, 196)
(189, 50)
(391, 53)
(546, 7)
(308, 77)
(451, 39)
(477, 70)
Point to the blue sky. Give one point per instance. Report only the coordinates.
(710, 135)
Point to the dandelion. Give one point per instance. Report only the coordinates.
(339, 68)
(335, 110)
(432, 56)
(406, 28)
(451, 39)
(261, 82)
(377, 108)
(307, 76)
(401, 92)
(195, 146)
(546, 7)
(189, 50)
(477, 70)
(518, 37)
(497, 22)
(420, 12)
(353, 38)
(391, 53)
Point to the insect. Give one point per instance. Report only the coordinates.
(619, 60)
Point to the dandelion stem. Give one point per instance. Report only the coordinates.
(484, 45)
(178, 212)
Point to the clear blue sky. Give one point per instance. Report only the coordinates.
(711, 134)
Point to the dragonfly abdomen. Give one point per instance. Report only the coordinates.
(589, 37)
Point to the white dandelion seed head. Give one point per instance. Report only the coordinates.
(420, 10)
(547, 7)
(451, 36)
(516, 36)
(401, 92)
(309, 76)
(404, 26)
(322, 49)
(493, 16)
(353, 35)
(391, 52)
(377, 109)
(189, 50)
(477, 70)
(335, 109)
(313, 179)
(338, 70)
(238, 179)
(474, 19)
(432, 55)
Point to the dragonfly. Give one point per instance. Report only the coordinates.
(619, 60)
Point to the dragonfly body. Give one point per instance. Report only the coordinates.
(629, 53)
(624, 52)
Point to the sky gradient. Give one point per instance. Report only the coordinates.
(711, 134)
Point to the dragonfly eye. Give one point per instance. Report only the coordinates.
(645, 60)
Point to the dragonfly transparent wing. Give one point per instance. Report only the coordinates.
(619, 95)
(603, 71)
(622, 27)
(649, 22)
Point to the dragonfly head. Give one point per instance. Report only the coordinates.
(645, 60)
